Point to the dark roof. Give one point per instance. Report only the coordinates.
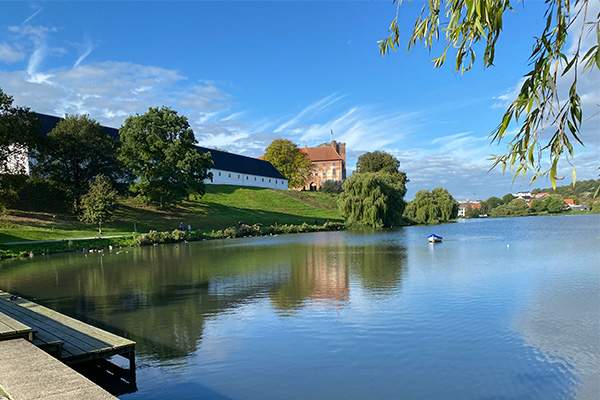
(244, 165)
(48, 122)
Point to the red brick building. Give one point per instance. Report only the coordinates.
(329, 164)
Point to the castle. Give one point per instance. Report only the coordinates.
(329, 164)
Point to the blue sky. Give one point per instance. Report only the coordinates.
(245, 73)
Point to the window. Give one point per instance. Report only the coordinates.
(323, 164)
(334, 163)
(333, 171)
(254, 178)
(219, 173)
(276, 181)
(269, 181)
(263, 179)
(238, 176)
(246, 177)
(324, 172)
(230, 175)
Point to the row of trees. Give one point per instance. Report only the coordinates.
(154, 157)
(374, 196)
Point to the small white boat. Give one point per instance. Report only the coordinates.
(433, 238)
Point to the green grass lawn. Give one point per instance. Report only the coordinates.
(222, 206)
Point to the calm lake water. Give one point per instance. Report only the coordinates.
(502, 309)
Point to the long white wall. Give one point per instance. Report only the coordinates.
(221, 177)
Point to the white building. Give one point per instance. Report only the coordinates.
(235, 169)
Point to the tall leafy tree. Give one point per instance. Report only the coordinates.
(549, 119)
(158, 147)
(19, 132)
(373, 199)
(290, 161)
(74, 152)
(379, 161)
(432, 207)
(98, 204)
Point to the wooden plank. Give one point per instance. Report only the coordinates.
(74, 339)
(86, 329)
(12, 323)
(49, 331)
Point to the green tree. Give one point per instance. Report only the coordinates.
(432, 207)
(537, 206)
(19, 131)
(488, 205)
(537, 108)
(74, 152)
(290, 161)
(596, 207)
(329, 187)
(158, 147)
(516, 208)
(554, 204)
(373, 199)
(98, 204)
(507, 198)
(379, 161)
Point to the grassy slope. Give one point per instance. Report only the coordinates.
(221, 207)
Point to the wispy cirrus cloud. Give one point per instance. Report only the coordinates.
(310, 111)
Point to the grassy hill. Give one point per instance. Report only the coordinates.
(222, 206)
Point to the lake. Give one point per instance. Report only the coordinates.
(501, 309)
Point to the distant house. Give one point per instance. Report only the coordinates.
(329, 164)
(522, 195)
(235, 169)
(228, 168)
(464, 205)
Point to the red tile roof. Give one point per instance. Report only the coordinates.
(569, 202)
(325, 153)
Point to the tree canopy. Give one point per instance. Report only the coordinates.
(74, 152)
(549, 119)
(516, 208)
(379, 161)
(432, 207)
(98, 204)
(373, 199)
(158, 147)
(19, 127)
(290, 161)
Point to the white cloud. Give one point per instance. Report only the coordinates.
(10, 54)
(309, 111)
(109, 91)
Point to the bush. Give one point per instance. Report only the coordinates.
(330, 187)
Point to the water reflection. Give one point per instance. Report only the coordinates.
(350, 315)
(162, 296)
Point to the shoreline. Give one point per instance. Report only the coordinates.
(56, 246)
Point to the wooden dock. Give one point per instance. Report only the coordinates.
(68, 339)
(28, 373)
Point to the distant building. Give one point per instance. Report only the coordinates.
(522, 195)
(329, 164)
(235, 169)
(464, 205)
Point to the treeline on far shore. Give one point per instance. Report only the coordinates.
(582, 196)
